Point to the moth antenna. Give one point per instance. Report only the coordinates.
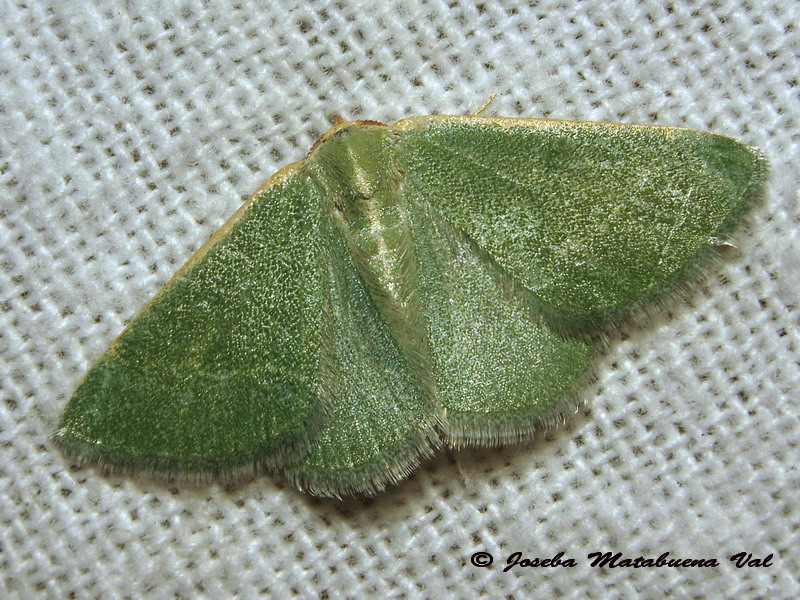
(485, 105)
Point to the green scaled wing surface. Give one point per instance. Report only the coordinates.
(593, 218)
(498, 369)
(219, 373)
(439, 282)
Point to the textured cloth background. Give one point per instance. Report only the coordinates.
(130, 131)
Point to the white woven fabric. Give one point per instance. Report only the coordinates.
(129, 131)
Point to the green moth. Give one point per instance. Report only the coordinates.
(440, 282)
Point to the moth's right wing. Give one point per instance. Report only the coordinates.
(499, 370)
(593, 218)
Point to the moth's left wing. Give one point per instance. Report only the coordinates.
(380, 419)
(219, 373)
